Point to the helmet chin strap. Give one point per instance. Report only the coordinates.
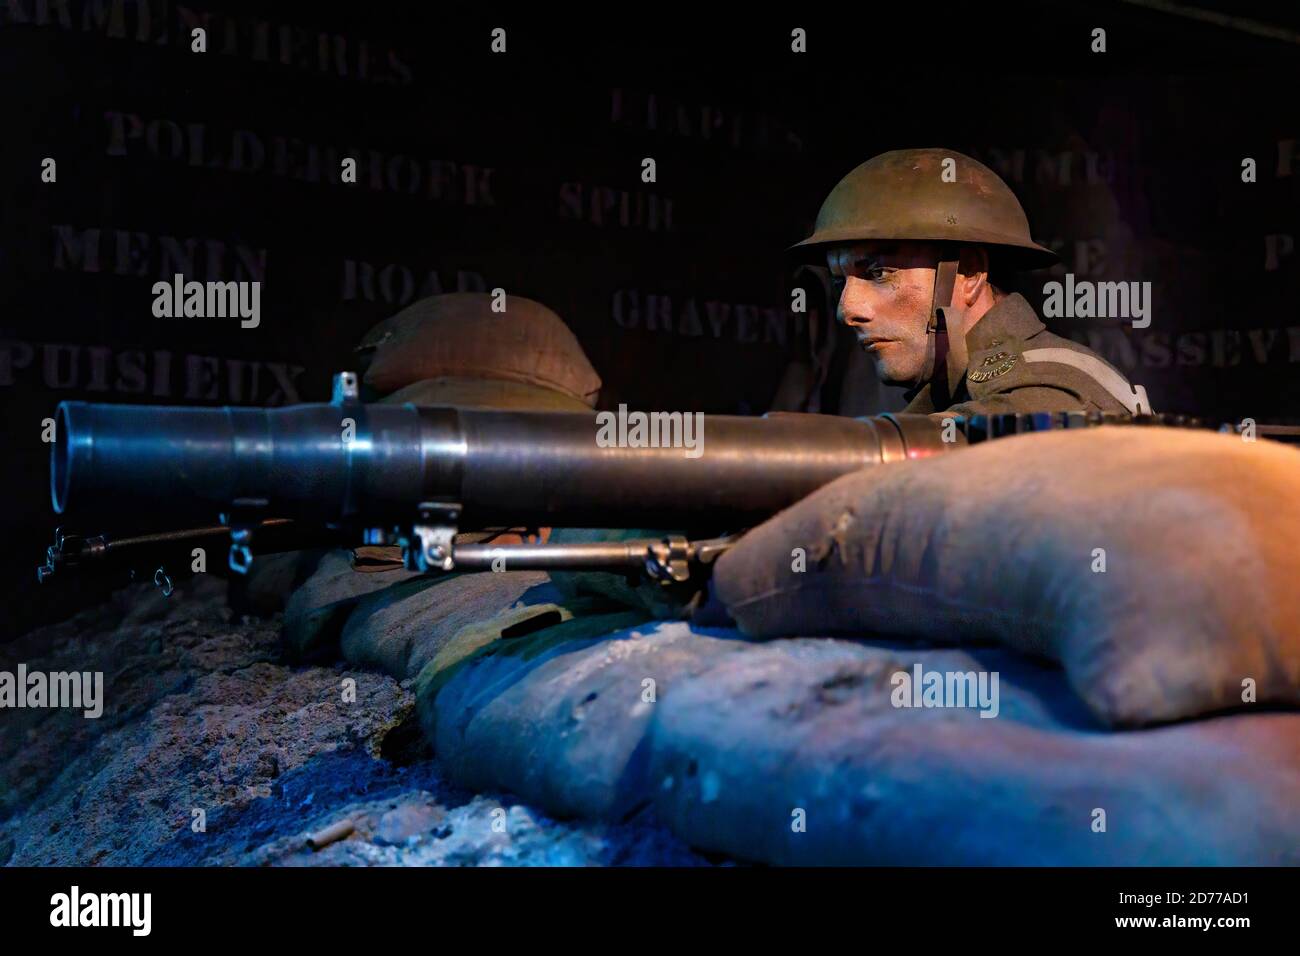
(937, 355)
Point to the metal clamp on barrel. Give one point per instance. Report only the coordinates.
(244, 515)
(428, 544)
(346, 390)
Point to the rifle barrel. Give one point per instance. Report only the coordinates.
(374, 464)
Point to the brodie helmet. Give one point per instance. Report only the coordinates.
(934, 195)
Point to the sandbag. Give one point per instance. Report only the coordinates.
(401, 628)
(794, 753)
(459, 336)
(561, 713)
(799, 752)
(266, 588)
(315, 613)
(373, 581)
(1157, 565)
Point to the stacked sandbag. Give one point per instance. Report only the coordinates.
(267, 586)
(802, 752)
(401, 628)
(562, 713)
(1157, 565)
(319, 608)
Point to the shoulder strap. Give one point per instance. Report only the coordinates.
(1132, 397)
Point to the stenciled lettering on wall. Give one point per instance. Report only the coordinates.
(158, 373)
(125, 252)
(606, 206)
(1048, 167)
(1097, 257)
(690, 318)
(200, 145)
(396, 284)
(1209, 348)
(166, 23)
(1082, 257)
(707, 123)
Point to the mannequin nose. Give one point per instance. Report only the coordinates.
(850, 309)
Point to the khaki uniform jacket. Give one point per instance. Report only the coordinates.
(1016, 365)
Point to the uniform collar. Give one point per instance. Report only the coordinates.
(1011, 318)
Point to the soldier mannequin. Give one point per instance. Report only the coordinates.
(910, 238)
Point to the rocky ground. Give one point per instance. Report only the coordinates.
(213, 750)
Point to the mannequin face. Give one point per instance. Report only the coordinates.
(885, 290)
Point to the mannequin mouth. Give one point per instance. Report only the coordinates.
(873, 344)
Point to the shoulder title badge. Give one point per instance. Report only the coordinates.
(993, 366)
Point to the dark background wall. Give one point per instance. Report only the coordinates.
(522, 170)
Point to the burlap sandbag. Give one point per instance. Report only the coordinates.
(367, 605)
(1196, 608)
(459, 336)
(272, 579)
(561, 712)
(796, 752)
(403, 627)
(315, 613)
(806, 732)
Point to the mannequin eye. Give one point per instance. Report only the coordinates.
(869, 269)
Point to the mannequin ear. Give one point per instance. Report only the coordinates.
(972, 273)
